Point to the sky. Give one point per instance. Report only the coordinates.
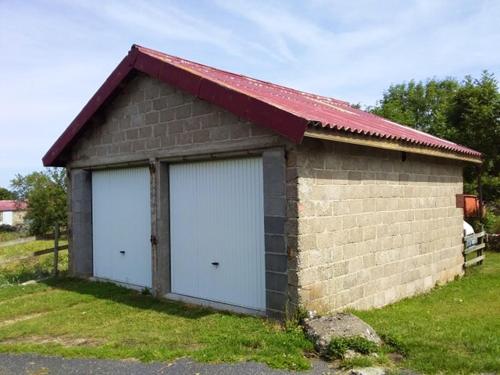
(55, 54)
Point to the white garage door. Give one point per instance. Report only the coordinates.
(217, 231)
(121, 225)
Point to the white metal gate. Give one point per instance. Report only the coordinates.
(217, 231)
(121, 225)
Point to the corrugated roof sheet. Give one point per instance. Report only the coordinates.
(287, 111)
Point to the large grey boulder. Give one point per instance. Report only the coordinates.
(321, 330)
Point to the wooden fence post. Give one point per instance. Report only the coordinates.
(56, 249)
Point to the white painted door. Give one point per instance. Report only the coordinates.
(217, 231)
(121, 225)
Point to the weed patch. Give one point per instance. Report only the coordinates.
(340, 345)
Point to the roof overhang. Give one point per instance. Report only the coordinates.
(386, 144)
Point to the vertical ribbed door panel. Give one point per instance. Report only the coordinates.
(217, 231)
(121, 225)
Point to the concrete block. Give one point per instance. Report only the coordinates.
(160, 103)
(276, 262)
(275, 301)
(183, 111)
(277, 281)
(239, 131)
(167, 115)
(201, 136)
(275, 243)
(219, 134)
(274, 224)
(274, 206)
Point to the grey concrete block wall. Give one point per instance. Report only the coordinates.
(151, 120)
(80, 244)
(372, 228)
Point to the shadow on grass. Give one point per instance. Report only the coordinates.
(112, 292)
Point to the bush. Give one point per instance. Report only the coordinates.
(492, 222)
(7, 228)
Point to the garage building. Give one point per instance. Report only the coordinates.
(219, 189)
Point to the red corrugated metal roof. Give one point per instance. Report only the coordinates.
(8, 205)
(287, 111)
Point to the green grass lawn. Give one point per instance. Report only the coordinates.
(454, 329)
(23, 249)
(88, 319)
(13, 270)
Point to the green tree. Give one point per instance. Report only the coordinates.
(474, 117)
(421, 105)
(465, 112)
(6, 194)
(45, 193)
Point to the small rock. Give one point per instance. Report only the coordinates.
(321, 330)
(29, 282)
(311, 314)
(349, 354)
(395, 357)
(368, 371)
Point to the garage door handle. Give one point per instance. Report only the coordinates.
(215, 264)
(122, 251)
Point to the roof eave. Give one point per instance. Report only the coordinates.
(388, 144)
